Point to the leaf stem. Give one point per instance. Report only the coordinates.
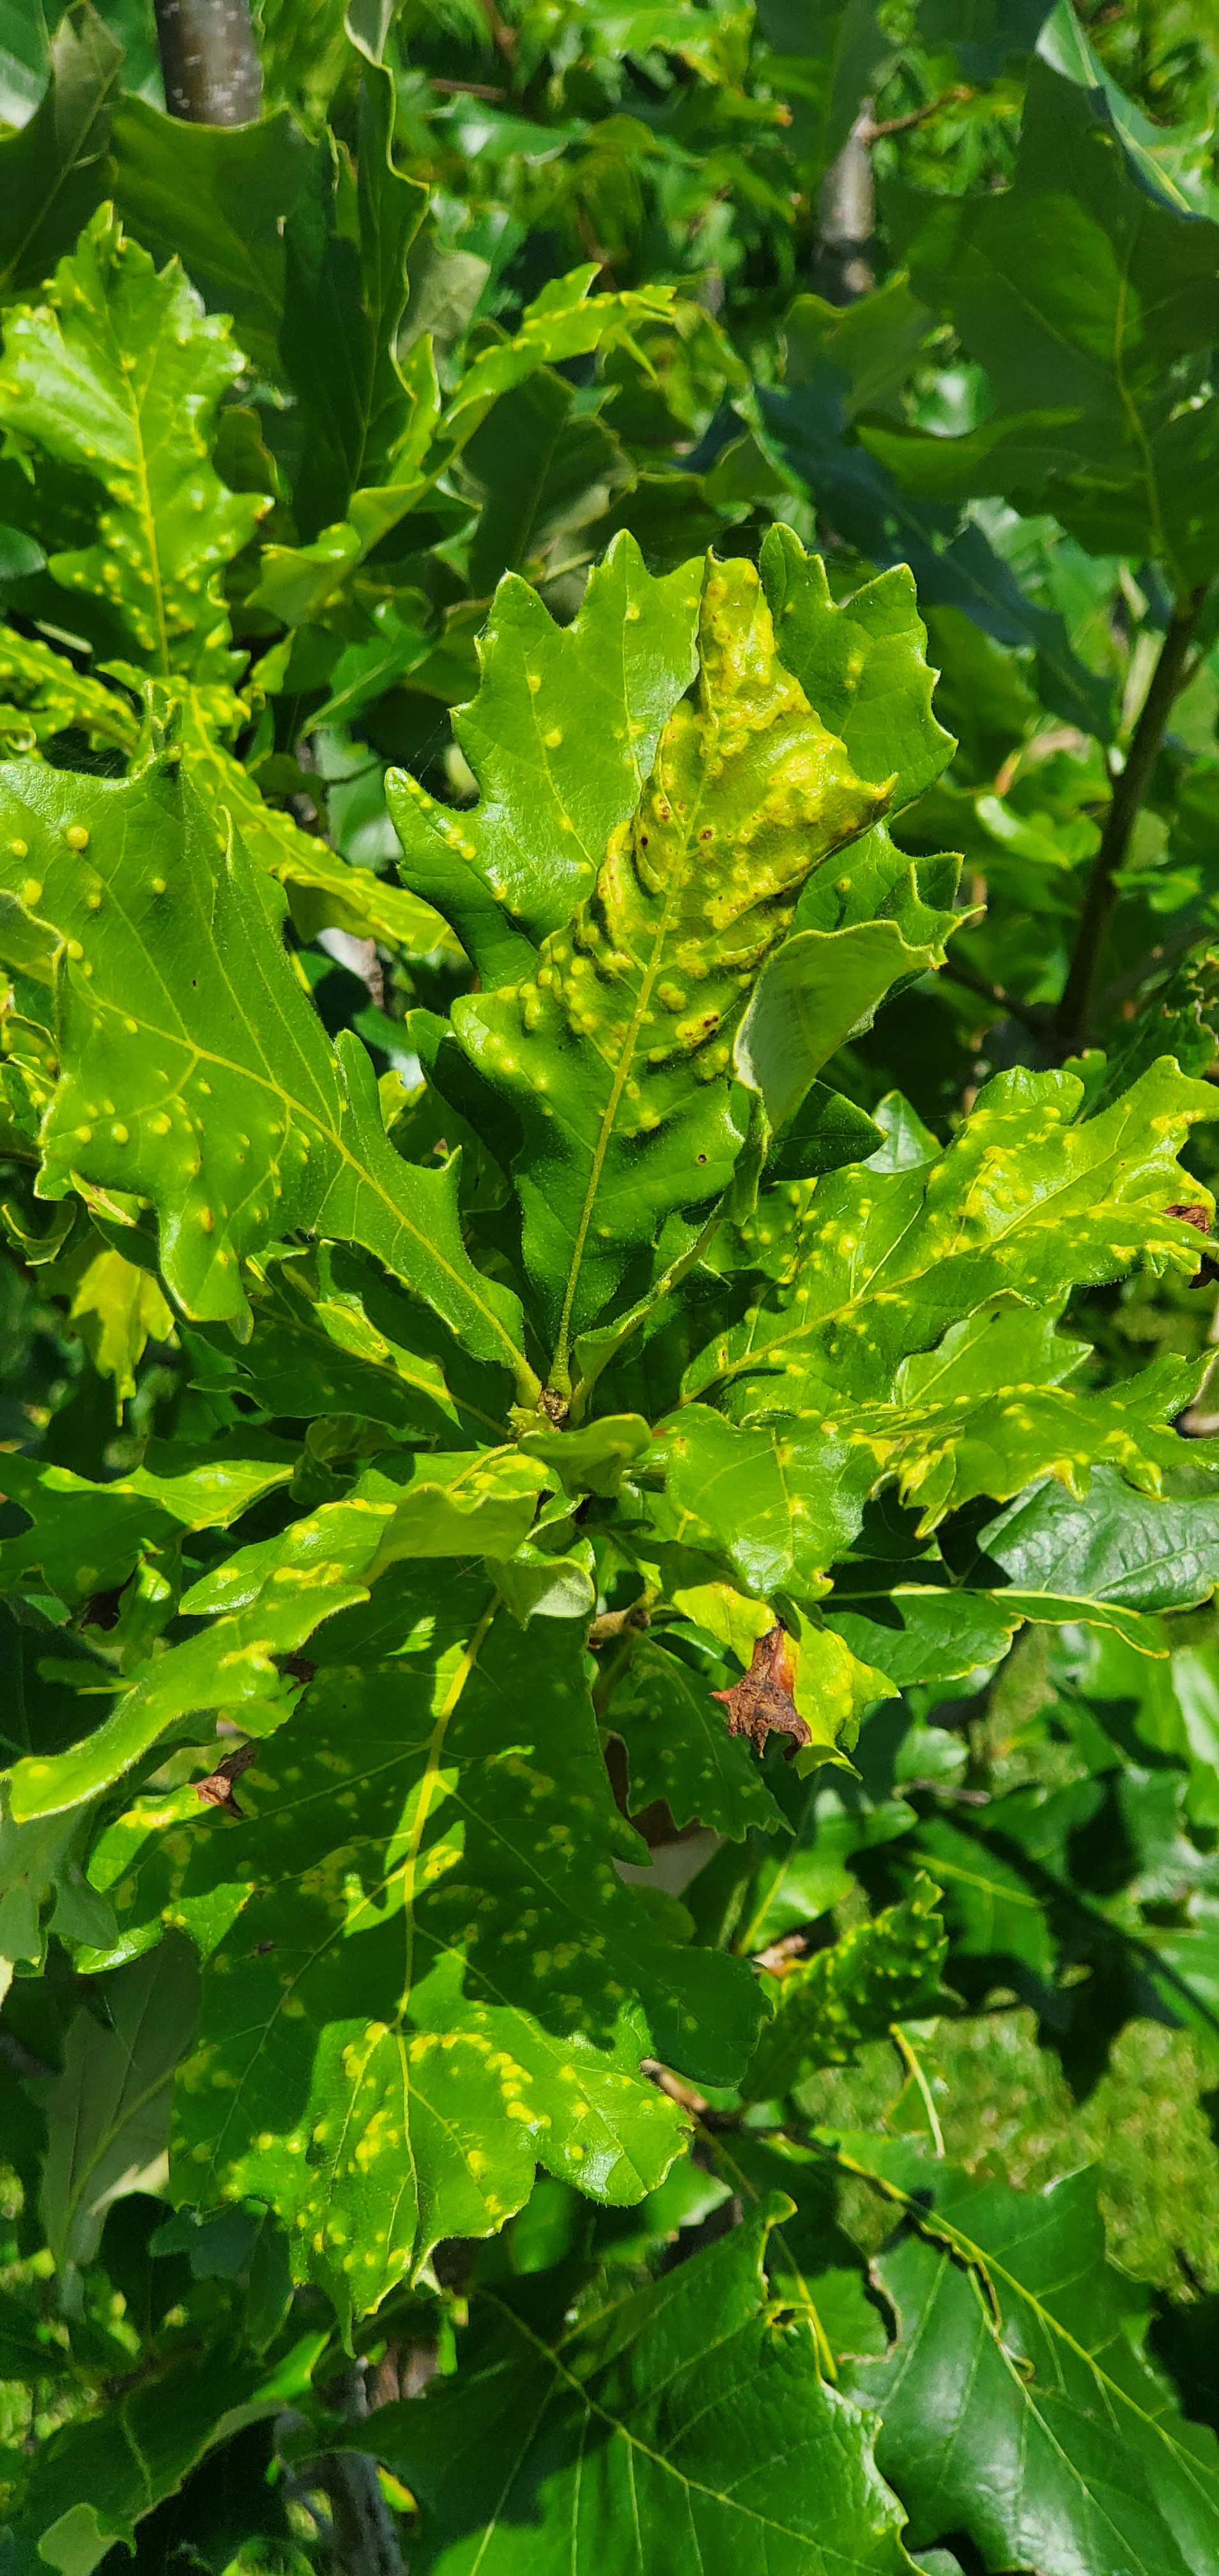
(1001, 1001)
(209, 61)
(661, 1288)
(1129, 790)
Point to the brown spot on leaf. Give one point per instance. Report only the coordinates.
(1198, 1216)
(763, 1702)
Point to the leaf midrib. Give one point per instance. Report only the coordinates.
(674, 889)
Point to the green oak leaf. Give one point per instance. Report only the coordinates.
(108, 2111)
(215, 197)
(333, 1335)
(862, 664)
(615, 1053)
(347, 240)
(228, 1112)
(1080, 287)
(916, 1631)
(85, 1537)
(991, 1908)
(94, 2480)
(52, 168)
(117, 379)
(1018, 2404)
(877, 1973)
(462, 1504)
(658, 2430)
(1024, 1200)
(233, 1666)
(477, 1831)
(561, 737)
(44, 694)
(678, 1748)
(1105, 1556)
(819, 990)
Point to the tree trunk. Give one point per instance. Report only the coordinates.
(208, 57)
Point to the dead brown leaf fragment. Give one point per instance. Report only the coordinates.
(217, 1789)
(762, 1701)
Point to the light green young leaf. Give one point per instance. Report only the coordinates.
(862, 665)
(227, 1110)
(820, 988)
(561, 737)
(325, 891)
(44, 694)
(1024, 1200)
(565, 321)
(615, 1054)
(118, 378)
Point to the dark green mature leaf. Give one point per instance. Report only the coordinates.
(108, 2112)
(347, 242)
(1082, 290)
(476, 1834)
(561, 736)
(823, 61)
(542, 473)
(1018, 2405)
(94, 2480)
(117, 377)
(878, 1973)
(992, 1910)
(662, 2431)
(858, 493)
(215, 197)
(278, 1132)
(918, 1631)
(1107, 1552)
(615, 1055)
(678, 1748)
(52, 170)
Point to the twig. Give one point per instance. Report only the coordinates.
(1129, 790)
(469, 89)
(1002, 1002)
(957, 97)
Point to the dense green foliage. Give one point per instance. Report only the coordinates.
(609, 930)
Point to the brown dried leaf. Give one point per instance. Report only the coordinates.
(217, 1789)
(763, 1701)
